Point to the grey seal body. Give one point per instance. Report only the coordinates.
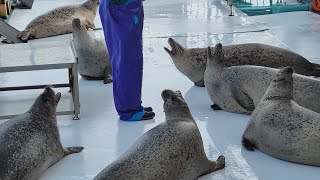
(192, 62)
(30, 143)
(239, 89)
(59, 20)
(281, 128)
(93, 58)
(171, 150)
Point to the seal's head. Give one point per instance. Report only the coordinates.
(77, 27)
(176, 48)
(217, 58)
(174, 104)
(281, 86)
(46, 101)
(92, 4)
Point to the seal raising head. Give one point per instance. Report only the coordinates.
(282, 128)
(30, 142)
(171, 150)
(176, 48)
(93, 58)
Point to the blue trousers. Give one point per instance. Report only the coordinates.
(122, 27)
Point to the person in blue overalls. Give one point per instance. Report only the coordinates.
(122, 22)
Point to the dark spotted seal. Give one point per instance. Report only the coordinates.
(59, 20)
(239, 89)
(93, 58)
(171, 150)
(282, 128)
(192, 62)
(30, 142)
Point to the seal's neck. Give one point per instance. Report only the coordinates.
(91, 5)
(179, 114)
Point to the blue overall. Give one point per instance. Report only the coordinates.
(122, 26)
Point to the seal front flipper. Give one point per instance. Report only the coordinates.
(24, 35)
(215, 107)
(107, 79)
(244, 100)
(72, 150)
(247, 144)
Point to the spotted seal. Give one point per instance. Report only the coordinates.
(192, 62)
(171, 150)
(30, 142)
(281, 128)
(58, 21)
(239, 89)
(93, 58)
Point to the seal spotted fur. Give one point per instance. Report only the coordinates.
(30, 142)
(281, 128)
(171, 150)
(59, 20)
(93, 58)
(239, 89)
(192, 62)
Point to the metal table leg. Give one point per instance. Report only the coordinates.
(75, 90)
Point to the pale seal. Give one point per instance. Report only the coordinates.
(239, 89)
(93, 58)
(281, 128)
(192, 62)
(171, 150)
(59, 20)
(30, 142)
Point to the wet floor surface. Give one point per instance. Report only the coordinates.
(192, 23)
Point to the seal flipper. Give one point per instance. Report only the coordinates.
(72, 150)
(244, 101)
(25, 35)
(215, 165)
(215, 107)
(247, 144)
(200, 83)
(107, 79)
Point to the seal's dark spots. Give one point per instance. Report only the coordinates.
(289, 70)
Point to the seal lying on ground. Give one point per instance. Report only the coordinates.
(93, 58)
(281, 128)
(239, 89)
(192, 62)
(58, 21)
(30, 143)
(171, 150)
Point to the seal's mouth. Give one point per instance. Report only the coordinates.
(57, 97)
(169, 94)
(173, 46)
(76, 24)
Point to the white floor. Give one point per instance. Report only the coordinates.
(193, 23)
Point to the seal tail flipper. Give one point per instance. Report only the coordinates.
(72, 150)
(24, 35)
(247, 144)
(316, 69)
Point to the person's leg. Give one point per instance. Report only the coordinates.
(123, 26)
